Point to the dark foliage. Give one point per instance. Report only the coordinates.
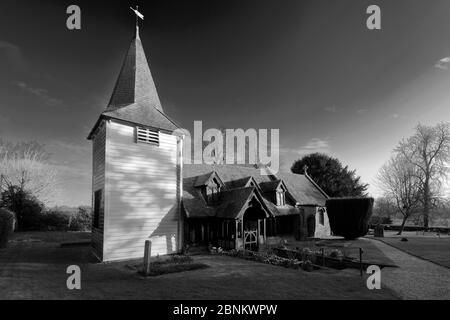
(349, 217)
(32, 216)
(377, 220)
(6, 226)
(335, 179)
(27, 208)
(54, 221)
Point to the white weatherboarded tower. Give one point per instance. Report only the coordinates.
(136, 189)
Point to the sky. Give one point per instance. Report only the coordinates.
(309, 68)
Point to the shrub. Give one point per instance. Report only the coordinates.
(336, 254)
(28, 209)
(307, 266)
(349, 217)
(377, 220)
(81, 220)
(55, 221)
(6, 226)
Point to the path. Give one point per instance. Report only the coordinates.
(415, 278)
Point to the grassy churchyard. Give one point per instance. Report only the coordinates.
(428, 246)
(34, 266)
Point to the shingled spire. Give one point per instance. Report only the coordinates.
(135, 82)
(135, 98)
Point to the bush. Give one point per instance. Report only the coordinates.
(7, 220)
(55, 221)
(28, 209)
(374, 221)
(349, 217)
(81, 220)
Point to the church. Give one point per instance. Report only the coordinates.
(142, 190)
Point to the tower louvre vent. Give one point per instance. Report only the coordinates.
(147, 136)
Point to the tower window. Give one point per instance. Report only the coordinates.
(147, 136)
(97, 205)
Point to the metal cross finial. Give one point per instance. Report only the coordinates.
(138, 15)
(305, 169)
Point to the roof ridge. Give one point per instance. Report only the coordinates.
(169, 118)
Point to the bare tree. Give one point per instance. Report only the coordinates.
(25, 166)
(401, 182)
(384, 210)
(428, 150)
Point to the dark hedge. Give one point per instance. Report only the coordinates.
(6, 226)
(349, 217)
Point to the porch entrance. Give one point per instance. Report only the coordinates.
(251, 235)
(254, 227)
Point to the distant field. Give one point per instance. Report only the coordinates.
(436, 250)
(437, 223)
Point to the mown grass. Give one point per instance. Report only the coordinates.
(436, 250)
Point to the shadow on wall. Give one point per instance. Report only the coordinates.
(142, 191)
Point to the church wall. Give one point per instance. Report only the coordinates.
(98, 183)
(141, 195)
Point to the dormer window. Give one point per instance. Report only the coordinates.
(281, 198)
(147, 136)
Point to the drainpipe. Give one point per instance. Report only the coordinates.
(180, 140)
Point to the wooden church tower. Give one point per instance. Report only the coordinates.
(136, 187)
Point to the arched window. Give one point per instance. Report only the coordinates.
(322, 216)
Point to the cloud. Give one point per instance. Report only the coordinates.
(13, 55)
(41, 93)
(361, 111)
(315, 145)
(443, 64)
(395, 116)
(332, 109)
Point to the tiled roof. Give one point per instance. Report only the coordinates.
(143, 114)
(235, 178)
(303, 190)
(233, 201)
(269, 186)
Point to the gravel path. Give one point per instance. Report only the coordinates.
(415, 278)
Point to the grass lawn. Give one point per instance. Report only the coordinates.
(37, 270)
(436, 250)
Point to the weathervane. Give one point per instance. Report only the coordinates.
(138, 15)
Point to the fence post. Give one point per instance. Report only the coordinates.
(147, 257)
